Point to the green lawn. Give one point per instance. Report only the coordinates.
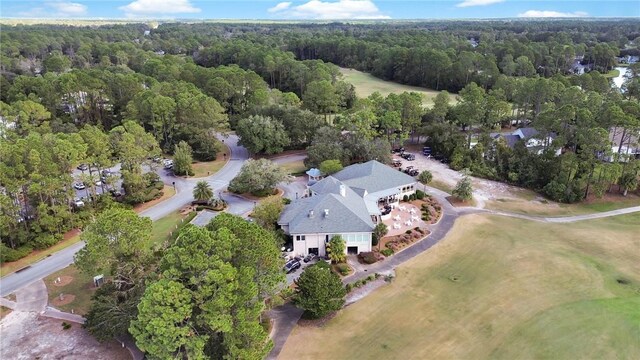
(550, 208)
(294, 167)
(76, 293)
(163, 228)
(612, 73)
(208, 168)
(499, 288)
(366, 84)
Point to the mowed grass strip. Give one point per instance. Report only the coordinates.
(499, 288)
(553, 209)
(366, 84)
(208, 168)
(294, 167)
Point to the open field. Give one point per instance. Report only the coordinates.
(550, 208)
(367, 84)
(499, 288)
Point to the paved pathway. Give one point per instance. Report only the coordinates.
(286, 317)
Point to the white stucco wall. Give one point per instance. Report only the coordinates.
(301, 247)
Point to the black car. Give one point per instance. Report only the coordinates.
(399, 150)
(115, 193)
(408, 156)
(291, 266)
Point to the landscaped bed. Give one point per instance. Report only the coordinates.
(392, 244)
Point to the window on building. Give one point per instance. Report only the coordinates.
(300, 237)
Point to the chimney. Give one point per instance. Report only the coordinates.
(343, 190)
(310, 213)
(326, 212)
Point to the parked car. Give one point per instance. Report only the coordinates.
(291, 266)
(98, 182)
(79, 186)
(115, 193)
(408, 156)
(396, 163)
(168, 163)
(399, 150)
(310, 257)
(83, 167)
(78, 203)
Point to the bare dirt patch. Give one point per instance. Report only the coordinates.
(65, 300)
(28, 336)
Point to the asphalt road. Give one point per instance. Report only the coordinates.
(183, 196)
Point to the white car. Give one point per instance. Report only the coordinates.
(168, 164)
(79, 186)
(77, 202)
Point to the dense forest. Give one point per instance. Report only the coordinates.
(128, 93)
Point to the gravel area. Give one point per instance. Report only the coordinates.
(27, 335)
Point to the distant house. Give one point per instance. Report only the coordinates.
(147, 32)
(625, 145)
(347, 204)
(534, 141)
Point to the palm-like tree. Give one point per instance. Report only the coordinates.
(202, 191)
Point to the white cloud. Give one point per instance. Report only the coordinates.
(56, 9)
(551, 14)
(158, 7)
(467, 3)
(332, 10)
(69, 8)
(280, 7)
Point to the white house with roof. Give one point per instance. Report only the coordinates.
(348, 204)
(533, 139)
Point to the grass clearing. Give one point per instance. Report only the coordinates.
(366, 84)
(294, 167)
(541, 208)
(163, 227)
(499, 288)
(612, 73)
(441, 185)
(76, 288)
(208, 168)
(4, 311)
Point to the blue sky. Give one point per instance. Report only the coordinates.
(315, 9)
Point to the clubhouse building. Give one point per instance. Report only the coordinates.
(348, 203)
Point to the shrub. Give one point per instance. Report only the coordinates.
(343, 269)
(377, 275)
(322, 265)
(348, 287)
(420, 194)
(405, 198)
(371, 277)
(66, 326)
(408, 232)
(8, 254)
(368, 257)
(387, 252)
(286, 201)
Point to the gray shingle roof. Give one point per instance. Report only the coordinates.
(528, 132)
(373, 176)
(327, 185)
(346, 214)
